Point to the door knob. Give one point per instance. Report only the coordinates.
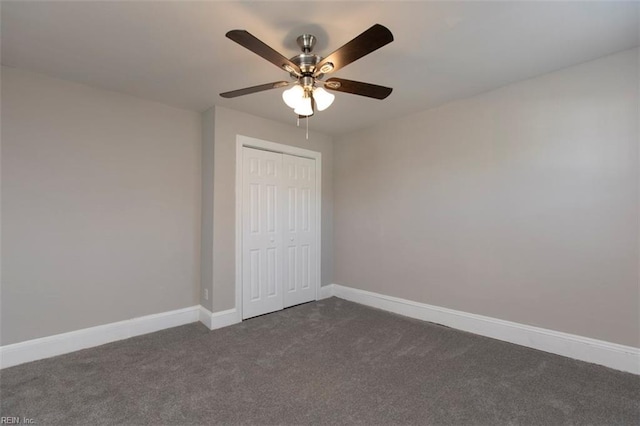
(273, 240)
(291, 239)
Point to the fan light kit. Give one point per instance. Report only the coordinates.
(302, 100)
(307, 93)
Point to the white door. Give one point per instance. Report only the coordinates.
(299, 175)
(279, 235)
(262, 233)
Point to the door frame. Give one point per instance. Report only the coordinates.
(249, 142)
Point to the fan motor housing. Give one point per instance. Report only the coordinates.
(307, 62)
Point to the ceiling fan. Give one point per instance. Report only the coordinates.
(308, 70)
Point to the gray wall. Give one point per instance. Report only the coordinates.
(100, 207)
(206, 240)
(229, 123)
(519, 204)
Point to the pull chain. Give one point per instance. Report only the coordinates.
(298, 124)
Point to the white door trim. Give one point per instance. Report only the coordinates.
(242, 141)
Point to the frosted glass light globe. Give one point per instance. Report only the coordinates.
(292, 97)
(304, 107)
(323, 98)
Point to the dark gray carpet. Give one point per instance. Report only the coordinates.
(327, 362)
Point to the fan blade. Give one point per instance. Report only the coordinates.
(372, 39)
(245, 39)
(254, 89)
(358, 88)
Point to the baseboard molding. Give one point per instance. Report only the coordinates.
(325, 292)
(215, 320)
(45, 347)
(619, 357)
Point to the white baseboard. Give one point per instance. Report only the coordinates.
(325, 292)
(613, 355)
(45, 347)
(218, 319)
(619, 357)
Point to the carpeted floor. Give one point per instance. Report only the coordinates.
(327, 362)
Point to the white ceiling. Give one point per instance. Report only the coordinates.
(176, 52)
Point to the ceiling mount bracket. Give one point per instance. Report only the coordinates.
(306, 42)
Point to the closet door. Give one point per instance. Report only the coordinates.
(262, 236)
(300, 236)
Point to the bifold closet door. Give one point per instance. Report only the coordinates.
(300, 236)
(279, 232)
(261, 233)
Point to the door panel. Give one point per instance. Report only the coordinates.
(300, 235)
(262, 233)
